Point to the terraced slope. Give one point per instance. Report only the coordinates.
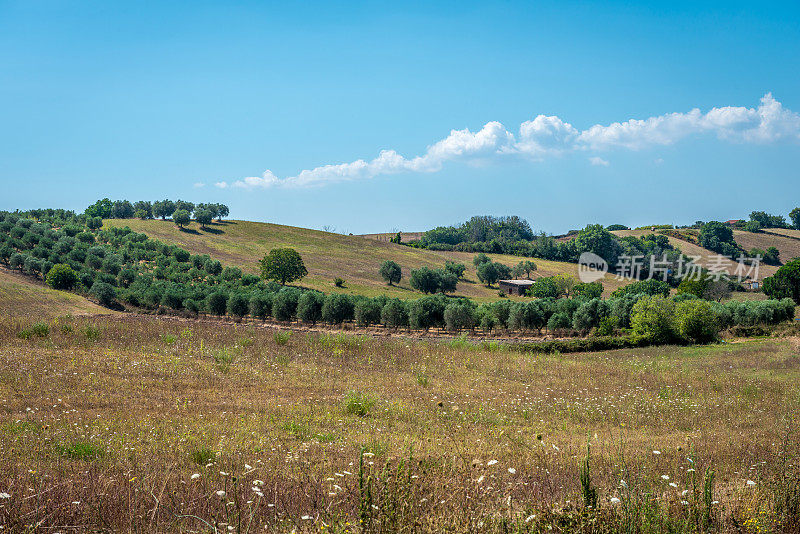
(328, 255)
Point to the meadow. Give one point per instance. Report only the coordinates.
(144, 424)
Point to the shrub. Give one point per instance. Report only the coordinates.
(35, 330)
(695, 321)
(81, 450)
(281, 338)
(338, 282)
(213, 266)
(202, 456)
(785, 283)
(654, 317)
(590, 314)
(647, 287)
(91, 333)
(61, 276)
(559, 321)
(104, 293)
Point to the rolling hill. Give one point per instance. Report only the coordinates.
(20, 296)
(328, 255)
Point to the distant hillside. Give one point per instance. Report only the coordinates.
(788, 246)
(21, 296)
(328, 255)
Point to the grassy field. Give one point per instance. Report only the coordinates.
(20, 294)
(162, 425)
(788, 247)
(328, 255)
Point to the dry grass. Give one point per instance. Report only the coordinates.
(21, 295)
(328, 255)
(106, 434)
(788, 247)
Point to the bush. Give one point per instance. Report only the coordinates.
(35, 330)
(696, 322)
(338, 282)
(590, 314)
(61, 276)
(646, 287)
(785, 283)
(654, 317)
(527, 316)
(104, 293)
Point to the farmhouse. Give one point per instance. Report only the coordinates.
(515, 287)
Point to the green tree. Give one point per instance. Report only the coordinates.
(794, 215)
(283, 265)
(309, 306)
(61, 276)
(284, 303)
(592, 290)
(425, 280)
(337, 308)
(181, 218)
(101, 208)
(391, 272)
(203, 217)
(459, 315)
(238, 305)
(457, 269)
(367, 312)
(479, 259)
(654, 317)
(104, 293)
(695, 321)
(785, 283)
(216, 303)
(163, 208)
(394, 314)
(122, 209)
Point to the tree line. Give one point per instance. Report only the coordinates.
(181, 211)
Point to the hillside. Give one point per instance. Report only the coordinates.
(328, 255)
(693, 250)
(789, 246)
(20, 296)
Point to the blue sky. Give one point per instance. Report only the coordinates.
(150, 100)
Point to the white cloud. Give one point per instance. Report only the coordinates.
(549, 136)
(199, 184)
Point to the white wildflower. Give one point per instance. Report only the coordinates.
(665, 477)
(512, 470)
(614, 500)
(656, 452)
(221, 494)
(751, 483)
(5, 495)
(195, 476)
(491, 462)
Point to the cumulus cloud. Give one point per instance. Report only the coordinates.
(550, 136)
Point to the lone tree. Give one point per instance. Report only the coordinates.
(61, 276)
(181, 218)
(391, 272)
(283, 265)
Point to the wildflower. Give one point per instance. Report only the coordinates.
(195, 476)
(258, 482)
(751, 483)
(347, 472)
(684, 492)
(491, 462)
(656, 452)
(714, 502)
(623, 483)
(685, 503)
(221, 494)
(512, 470)
(673, 484)
(665, 477)
(480, 479)
(614, 500)
(5, 495)
(306, 517)
(369, 454)
(248, 467)
(530, 518)
(223, 473)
